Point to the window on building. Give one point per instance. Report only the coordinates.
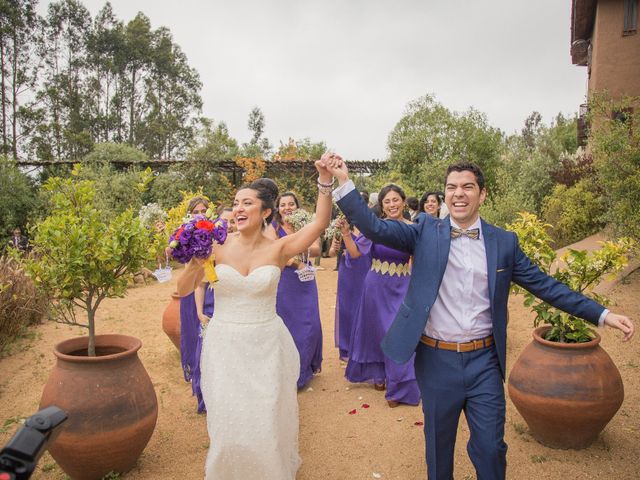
(630, 17)
(622, 115)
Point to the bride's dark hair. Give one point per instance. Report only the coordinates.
(267, 193)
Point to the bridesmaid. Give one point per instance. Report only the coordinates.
(351, 274)
(385, 286)
(430, 203)
(297, 302)
(193, 308)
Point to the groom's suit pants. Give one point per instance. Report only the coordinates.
(451, 382)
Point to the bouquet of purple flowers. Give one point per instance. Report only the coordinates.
(195, 238)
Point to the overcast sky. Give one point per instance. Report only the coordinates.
(343, 71)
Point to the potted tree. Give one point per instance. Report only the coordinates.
(565, 386)
(79, 259)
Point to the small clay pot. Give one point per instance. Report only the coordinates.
(110, 401)
(566, 392)
(171, 320)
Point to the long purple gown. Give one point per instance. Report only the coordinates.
(191, 342)
(385, 287)
(351, 275)
(297, 305)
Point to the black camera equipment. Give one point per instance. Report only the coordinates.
(19, 457)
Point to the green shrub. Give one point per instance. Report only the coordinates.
(615, 143)
(575, 212)
(21, 304)
(18, 199)
(582, 272)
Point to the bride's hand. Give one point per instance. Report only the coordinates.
(204, 320)
(321, 165)
(337, 167)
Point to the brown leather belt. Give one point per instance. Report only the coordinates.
(458, 347)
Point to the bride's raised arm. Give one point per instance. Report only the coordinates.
(301, 240)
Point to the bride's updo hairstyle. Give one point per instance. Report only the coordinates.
(267, 191)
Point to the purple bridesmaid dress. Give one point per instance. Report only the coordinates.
(385, 286)
(191, 342)
(351, 275)
(297, 305)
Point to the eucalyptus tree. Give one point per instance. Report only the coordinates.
(20, 29)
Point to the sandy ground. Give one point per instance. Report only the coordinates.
(333, 444)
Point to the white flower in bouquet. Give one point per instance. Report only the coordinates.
(299, 218)
(150, 213)
(333, 230)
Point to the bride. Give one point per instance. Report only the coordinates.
(249, 361)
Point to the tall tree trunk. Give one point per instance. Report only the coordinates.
(132, 106)
(14, 100)
(5, 146)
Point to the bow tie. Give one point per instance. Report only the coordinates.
(473, 233)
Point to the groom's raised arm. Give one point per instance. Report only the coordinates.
(394, 234)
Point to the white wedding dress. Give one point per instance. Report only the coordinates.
(249, 366)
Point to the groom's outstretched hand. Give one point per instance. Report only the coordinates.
(622, 323)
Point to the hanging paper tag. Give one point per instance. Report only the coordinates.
(210, 271)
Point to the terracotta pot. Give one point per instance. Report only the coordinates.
(110, 401)
(566, 392)
(171, 320)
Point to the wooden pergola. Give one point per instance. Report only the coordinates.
(298, 167)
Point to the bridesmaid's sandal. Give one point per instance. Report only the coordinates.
(393, 403)
(379, 387)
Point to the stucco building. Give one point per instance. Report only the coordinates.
(605, 39)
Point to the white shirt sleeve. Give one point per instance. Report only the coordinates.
(342, 191)
(603, 315)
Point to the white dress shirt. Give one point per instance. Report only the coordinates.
(462, 310)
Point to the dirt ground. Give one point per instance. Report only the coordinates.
(375, 442)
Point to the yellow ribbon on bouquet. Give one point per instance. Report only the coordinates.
(210, 270)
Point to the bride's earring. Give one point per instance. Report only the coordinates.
(264, 222)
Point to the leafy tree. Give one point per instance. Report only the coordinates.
(172, 97)
(91, 81)
(116, 191)
(530, 166)
(429, 137)
(112, 153)
(20, 29)
(80, 257)
(18, 198)
(258, 147)
(615, 142)
(106, 60)
(58, 119)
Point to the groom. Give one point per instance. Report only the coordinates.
(454, 316)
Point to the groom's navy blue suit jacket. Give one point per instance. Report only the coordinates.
(428, 241)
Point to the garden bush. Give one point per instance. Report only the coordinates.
(21, 304)
(575, 212)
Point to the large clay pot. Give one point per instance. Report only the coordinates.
(171, 320)
(110, 401)
(566, 392)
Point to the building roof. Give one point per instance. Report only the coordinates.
(583, 15)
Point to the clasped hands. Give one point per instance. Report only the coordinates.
(332, 165)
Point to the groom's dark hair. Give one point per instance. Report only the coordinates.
(465, 166)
